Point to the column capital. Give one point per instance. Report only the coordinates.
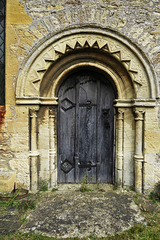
(120, 113)
(51, 113)
(139, 114)
(33, 111)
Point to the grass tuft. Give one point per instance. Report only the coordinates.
(43, 186)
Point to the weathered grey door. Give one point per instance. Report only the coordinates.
(85, 128)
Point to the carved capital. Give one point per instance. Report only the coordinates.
(33, 113)
(33, 110)
(51, 112)
(139, 115)
(120, 114)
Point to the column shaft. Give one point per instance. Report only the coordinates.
(33, 153)
(119, 160)
(52, 148)
(138, 157)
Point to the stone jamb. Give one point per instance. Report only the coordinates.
(139, 161)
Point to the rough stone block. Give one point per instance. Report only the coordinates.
(7, 181)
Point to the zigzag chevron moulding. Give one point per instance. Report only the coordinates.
(54, 50)
(52, 53)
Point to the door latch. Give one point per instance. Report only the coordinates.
(88, 165)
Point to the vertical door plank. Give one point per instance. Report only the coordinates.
(66, 132)
(87, 124)
(106, 132)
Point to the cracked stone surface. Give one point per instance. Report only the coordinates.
(9, 221)
(72, 213)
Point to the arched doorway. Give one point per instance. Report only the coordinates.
(38, 92)
(86, 128)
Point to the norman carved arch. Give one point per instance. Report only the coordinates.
(105, 50)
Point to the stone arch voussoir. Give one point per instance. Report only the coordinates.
(142, 78)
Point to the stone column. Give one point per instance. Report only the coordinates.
(33, 153)
(119, 150)
(52, 149)
(138, 157)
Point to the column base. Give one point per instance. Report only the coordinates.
(118, 177)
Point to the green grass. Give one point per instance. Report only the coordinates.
(54, 189)
(139, 232)
(25, 205)
(20, 205)
(84, 183)
(20, 236)
(43, 186)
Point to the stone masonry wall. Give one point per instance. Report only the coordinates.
(30, 22)
(138, 20)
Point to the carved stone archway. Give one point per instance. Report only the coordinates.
(106, 51)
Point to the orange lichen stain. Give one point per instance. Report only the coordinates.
(2, 114)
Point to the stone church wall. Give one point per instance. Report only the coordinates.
(29, 23)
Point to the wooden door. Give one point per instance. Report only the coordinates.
(85, 128)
